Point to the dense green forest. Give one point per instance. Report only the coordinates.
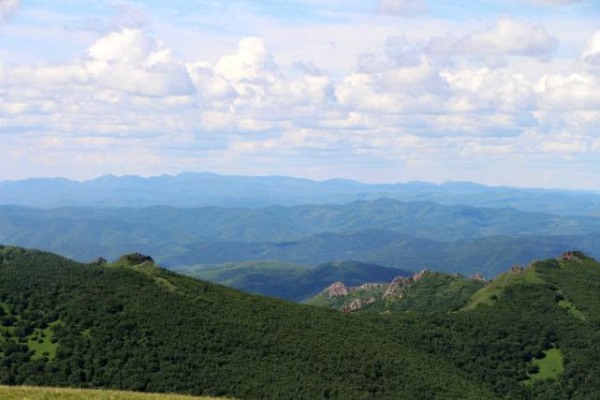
(132, 325)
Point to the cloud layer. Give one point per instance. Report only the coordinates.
(458, 105)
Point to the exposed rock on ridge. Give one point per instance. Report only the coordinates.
(401, 282)
(336, 289)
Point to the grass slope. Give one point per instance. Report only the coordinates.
(551, 366)
(490, 292)
(43, 393)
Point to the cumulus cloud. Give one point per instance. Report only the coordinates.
(576, 91)
(402, 7)
(591, 54)
(508, 37)
(250, 63)
(403, 103)
(8, 8)
(130, 61)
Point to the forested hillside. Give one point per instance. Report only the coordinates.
(132, 325)
(139, 327)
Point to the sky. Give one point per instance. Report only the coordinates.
(495, 92)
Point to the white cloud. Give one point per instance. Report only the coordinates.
(421, 103)
(577, 91)
(591, 54)
(130, 46)
(508, 37)
(132, 62)
(251, 62)
(490, 89)
(8, 8)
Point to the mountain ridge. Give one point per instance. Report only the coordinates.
(388, 232)
(203, 189)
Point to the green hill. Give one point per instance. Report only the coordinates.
(140, 327)
(132, 325)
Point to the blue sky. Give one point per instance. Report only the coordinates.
(496, 92)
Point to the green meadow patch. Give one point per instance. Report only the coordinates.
(570, 307)
(42, 343)
(493, 290)
(549, 367)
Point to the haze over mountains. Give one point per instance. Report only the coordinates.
(203, 189)
(192, 220)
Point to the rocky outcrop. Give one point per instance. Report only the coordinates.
(396, 286)
(515, 269)
(135, 259)
(336, 289)
(478, 277)
(571, 255)
(369, 286)
(358, 304)
(420, 274)
(400, 282)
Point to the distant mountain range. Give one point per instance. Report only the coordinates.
(197, 220)
(406, 235)
(208, 189)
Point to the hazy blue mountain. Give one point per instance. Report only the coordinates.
(280, 224)
(386, 232)
(207, 189)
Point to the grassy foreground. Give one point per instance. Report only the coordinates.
(44, 393)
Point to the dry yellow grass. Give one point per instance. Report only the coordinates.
(43, 393)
